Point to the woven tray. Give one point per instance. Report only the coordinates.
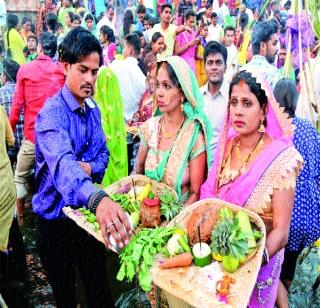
(138, 180)
(183, 286)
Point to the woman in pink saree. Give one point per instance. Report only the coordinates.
(256, 167)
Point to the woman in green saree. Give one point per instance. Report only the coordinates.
(110, 104)
(174, 145)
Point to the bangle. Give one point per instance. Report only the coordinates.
(265, 256)
(95, 200)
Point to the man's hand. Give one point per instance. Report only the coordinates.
(86, 167)
(113, 221)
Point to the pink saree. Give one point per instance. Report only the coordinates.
(241, 190)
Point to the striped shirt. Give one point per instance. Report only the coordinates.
(215, 108)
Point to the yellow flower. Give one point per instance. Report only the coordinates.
(317, 243)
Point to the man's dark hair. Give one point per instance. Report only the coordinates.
(33, 37)
(229, 28)
(262, 32)
(133, 40)
(109, 6)
(52, 22)
(213, 48)
(78, 44)
(141, 9)
(167, 5)
(214, 15)
(75, 17)
(208, 5)
(48, 42)
(189, 13)
(10, 69)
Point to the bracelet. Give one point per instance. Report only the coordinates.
(95, 200)
(265, 256)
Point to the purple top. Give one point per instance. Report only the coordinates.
(65, 133)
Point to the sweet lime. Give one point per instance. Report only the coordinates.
(230, 264)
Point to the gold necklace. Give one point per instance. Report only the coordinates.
(168, 135)
(252, 153)
(227, 174)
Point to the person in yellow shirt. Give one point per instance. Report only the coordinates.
(168, 30)
(14, 41)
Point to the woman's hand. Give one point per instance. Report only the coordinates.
(282, 204)
(197, 177)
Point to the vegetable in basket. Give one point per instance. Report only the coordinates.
(137, 257)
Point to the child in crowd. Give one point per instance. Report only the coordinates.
(200, 71)
(109, 47)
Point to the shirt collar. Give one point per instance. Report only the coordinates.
(43, 57)
(71, 101)
(258, 58)
(222, 91)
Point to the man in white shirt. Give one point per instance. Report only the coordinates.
(232, 63)
(265, 48)
(108, 19)
(132, 81)
(215, 91)
(215, 32)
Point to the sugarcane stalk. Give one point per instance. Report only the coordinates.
(304, 88)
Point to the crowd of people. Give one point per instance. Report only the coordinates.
(203, 96)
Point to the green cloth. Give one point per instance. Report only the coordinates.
(30, 58)
(110, 104)
(84, 25)
(193, 109)
(62, 17)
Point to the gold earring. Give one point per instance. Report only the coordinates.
(182, 107)
(261, 128)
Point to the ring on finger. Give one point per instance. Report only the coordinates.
(110, 224)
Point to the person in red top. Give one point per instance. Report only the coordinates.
(36, 82)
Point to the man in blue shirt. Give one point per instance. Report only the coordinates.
(71, 154)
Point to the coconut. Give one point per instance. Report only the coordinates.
(204, 217)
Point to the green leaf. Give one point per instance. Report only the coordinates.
(130, 271)
(122, 272)
(145, 281)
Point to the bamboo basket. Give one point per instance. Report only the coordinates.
(138, 180)
(186, 287)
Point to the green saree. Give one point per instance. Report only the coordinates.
(172, 167)
(110, 104)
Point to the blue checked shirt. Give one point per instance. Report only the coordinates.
(6, 96)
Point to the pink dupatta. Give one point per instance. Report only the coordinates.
(280, 129)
